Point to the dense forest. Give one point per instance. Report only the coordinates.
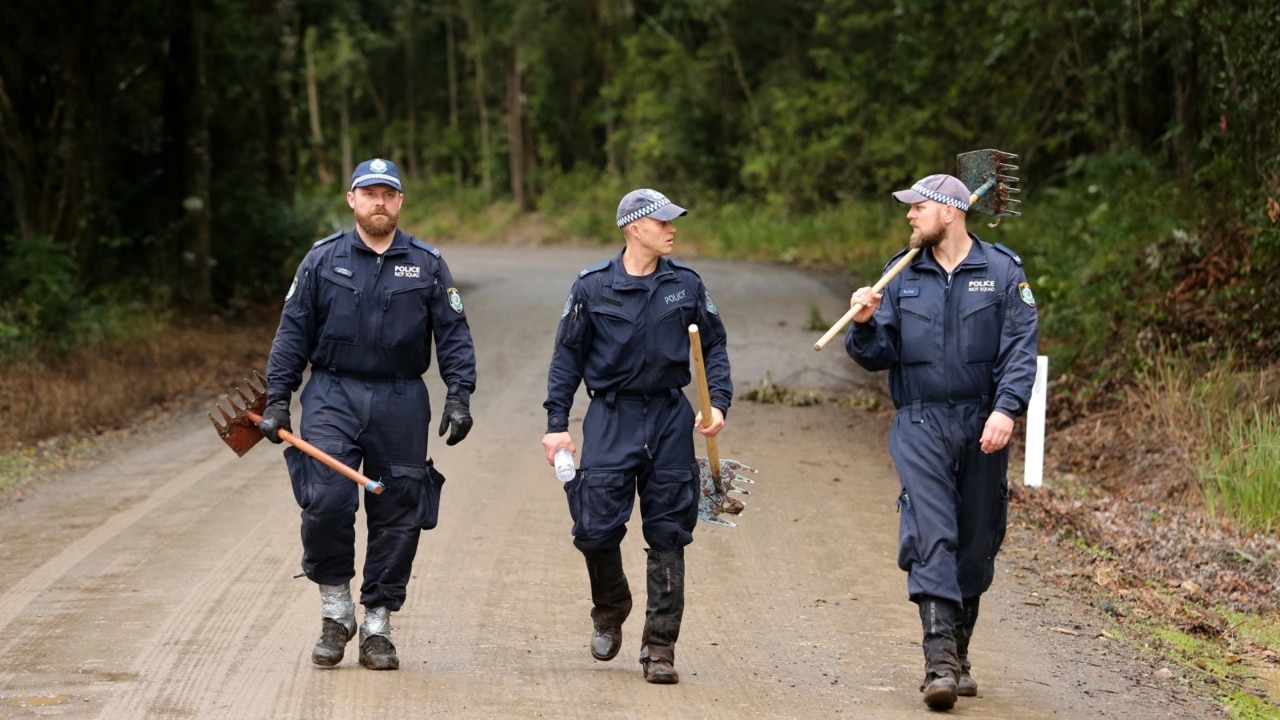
(177, 152)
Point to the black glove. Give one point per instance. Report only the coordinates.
(459, 416)
(274, 419)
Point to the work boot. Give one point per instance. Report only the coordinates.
(663, 612)
(610, 599)
(966, 686)
(376, 650)
(941, 665)
(338, 624)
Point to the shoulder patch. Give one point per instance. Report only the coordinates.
(423, 246)
(595, 268)
(328, 239)
(1008, 252)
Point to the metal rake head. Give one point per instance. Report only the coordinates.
(238, 430)
(983, 172)
(715, 500)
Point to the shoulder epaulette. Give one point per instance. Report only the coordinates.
(419, 244)
(1008, 252)
(328, 239)
(595, 268)
(895, 258)
(682, 266)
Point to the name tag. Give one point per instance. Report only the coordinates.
(909, 292)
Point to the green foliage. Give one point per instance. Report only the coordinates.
(1241, 475)
(38, 284)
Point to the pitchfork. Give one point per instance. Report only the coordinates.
(240, 431)
(717, 475)
(981, 171)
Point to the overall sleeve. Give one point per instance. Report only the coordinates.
(573, 339)
(1015, 366)
(455, 351)
(874, 344)
(295, 335)
(715, 353)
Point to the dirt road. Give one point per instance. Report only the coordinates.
(159, 583)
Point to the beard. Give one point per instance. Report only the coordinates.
(921, 240)
(378, 222)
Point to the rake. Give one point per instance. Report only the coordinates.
(239, 430)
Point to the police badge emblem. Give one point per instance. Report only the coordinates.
(1024, 292)
(711, 305)
(455, 299)
(292, 288)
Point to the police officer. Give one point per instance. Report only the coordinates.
(625, 333)
(957, 330)
(363, 311)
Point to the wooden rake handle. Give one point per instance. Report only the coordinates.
(372, 486)
(704, 396)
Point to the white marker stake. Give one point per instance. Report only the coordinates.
(1034, 471)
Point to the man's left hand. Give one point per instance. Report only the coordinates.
(456, 420)
(996, 433)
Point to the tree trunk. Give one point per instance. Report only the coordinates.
(313, 109)
(482, 107)
(451, 61)
(410, 75)
(285, 160)
(515, 133)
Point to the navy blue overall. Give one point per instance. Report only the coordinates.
(365, 324)
(956, 348)
(627, 338)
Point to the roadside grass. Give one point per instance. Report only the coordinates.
(1242, 678)
(1224, 416)
(53, 406)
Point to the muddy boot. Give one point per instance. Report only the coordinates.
(376, 650)
(611, 601)
(966, 686)
(338, 624)
(941, 666)
(663, 613)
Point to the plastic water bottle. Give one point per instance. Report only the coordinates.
(564, 465)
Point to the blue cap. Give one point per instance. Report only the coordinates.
(376, 172)
(647, 203)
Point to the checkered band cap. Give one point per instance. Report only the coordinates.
(376, 172)
(946, 189)
(647, 203)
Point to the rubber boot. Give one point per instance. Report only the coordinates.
(966, 686)
(610, 600)
(941, 666)
(664, 610)
(376, 650)
(337, 624)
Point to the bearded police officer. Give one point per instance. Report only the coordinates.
(957, 331)
(625, 333)
(364, 308)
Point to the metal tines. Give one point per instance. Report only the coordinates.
(983, 171)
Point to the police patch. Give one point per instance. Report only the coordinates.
(455, 299)
(568, 304)
(1024, 292)
(292, 288)
(711, 305)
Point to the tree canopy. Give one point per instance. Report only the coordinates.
(172, 149)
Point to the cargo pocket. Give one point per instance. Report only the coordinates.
(416, 488)
(908, 534)
(598, 497)
(680, 487)
(293, 460)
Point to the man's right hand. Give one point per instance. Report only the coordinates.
(274, 419)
